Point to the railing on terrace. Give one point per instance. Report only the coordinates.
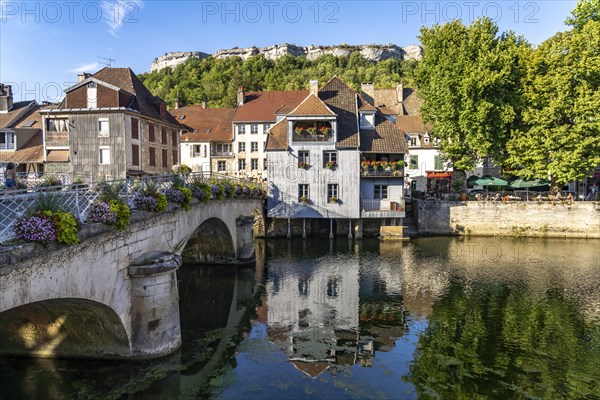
(505, 196)
(382, 205)
(77, 198)
(375, 173)
(7, 146)
(306, 137)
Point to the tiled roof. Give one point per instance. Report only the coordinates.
(387, 111)
(261, 106)
(412, 124)
(10, 118)
(210, 124)
(312, 106)
(366, 106)
(277, 139)
(31, 152)
(412, 102)
(341, 99)
(385, 138)
(32, 120)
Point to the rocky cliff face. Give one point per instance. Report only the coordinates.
(372, 52)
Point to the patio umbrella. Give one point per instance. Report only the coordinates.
(523, 184)
(487, 180)
(471, 180)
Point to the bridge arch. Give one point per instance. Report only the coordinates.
(65, 327)
(211, 242)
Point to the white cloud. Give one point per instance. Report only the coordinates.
(92, 67)
(119, 12)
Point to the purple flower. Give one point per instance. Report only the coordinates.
(175, 196)
(35, 228)
(145, 203)
(100, 212)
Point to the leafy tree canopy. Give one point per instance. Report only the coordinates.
(470, 83)
(561, 135)
(585, 10)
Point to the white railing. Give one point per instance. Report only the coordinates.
(382, 205)
(77, 198)
(7, 146)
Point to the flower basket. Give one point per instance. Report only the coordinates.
(303, 165)
(332, 200)
(325, 131)
(311, 131)
(330, 165)
(298, 130)
(303, 200)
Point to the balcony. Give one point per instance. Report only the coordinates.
(312, 131)
(57, 138)
(307, 137)
(382, 208)
(215, 153)
(7, 146)
(377, 169)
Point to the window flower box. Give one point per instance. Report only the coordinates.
(303, 165)
(330, 165)
(333, 200)
(303, 200)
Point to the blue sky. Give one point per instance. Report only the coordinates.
(44, 44)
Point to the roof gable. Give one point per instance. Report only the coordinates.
(312, 106)
(205, 124)
(342, 100)
(262, 106)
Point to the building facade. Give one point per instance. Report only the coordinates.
(256, 113)
(206, 140)
(336, 157)
(110, 125)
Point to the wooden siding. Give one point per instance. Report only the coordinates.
(85, 145)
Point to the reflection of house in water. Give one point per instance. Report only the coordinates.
(321, 315)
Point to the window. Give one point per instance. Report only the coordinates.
(175, 157)
(381, 192)
(7, 141)
(163, 135)
(329, 157)
(241, 129)
(241, 165)
(413, 140)
(103, 127)
(58, 125)
(332, 192)
(165, 160)
(135, 128)
(303, 192)
(413, 185)
(264, 163)
(195, 150)
(254, 129)
(254, 164)
(135, 154)
(254, 146)
(413, 162)
(266, 127)
(438, 162)
(104, 155)
(174, 137)
(304, 156)
(221, 166)
(241, 147)
(151, 137)
(152, 154)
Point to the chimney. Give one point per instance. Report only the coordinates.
(367, 90)
(314, 87)
(83, 77)
(176, 104)
(6, 98)
(241, 96)
(203, 103)
(400, 92)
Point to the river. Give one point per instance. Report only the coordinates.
(448, 318)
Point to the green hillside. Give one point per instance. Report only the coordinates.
(217, 80)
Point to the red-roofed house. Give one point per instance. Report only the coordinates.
(256, 113)
(206, 139)
(110, 125)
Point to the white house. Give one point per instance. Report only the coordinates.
(335, 157)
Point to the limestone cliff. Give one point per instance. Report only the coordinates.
(372, 52)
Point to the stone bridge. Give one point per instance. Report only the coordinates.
(115, 294)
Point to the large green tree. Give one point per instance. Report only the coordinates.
(585, 10)
(470, 82)
(561, 135)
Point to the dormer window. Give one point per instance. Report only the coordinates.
(367, 120)
(426, 138)
(312, 131)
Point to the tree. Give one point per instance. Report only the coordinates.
(470, 83)
(585, 10)
(561, 135)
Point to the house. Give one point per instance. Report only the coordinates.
(256, 113)
(336, 157)
(110, 125)
(20, 133)
(206, 140)
(426, 169)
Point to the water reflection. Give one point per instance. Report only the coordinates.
(434, 318)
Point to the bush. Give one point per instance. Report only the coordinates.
(66, 226)
(113, 212)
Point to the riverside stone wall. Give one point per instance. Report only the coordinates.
(577, 220)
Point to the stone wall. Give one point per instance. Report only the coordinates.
(580, 219)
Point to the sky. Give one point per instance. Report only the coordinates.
(45, 44)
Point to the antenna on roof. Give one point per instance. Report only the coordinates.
(108, 62)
